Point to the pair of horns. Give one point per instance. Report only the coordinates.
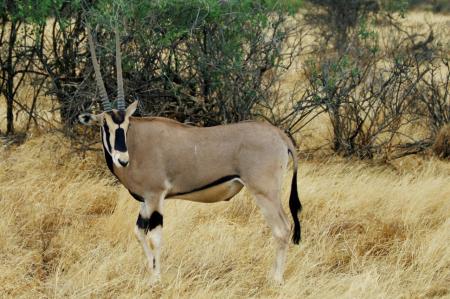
(107, 106)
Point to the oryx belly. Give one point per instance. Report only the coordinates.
(219, 192)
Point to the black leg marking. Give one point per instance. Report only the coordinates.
(154, 263)
(155, 220)
(148, 224)
(142, 223)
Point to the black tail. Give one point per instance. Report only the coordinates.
(295, 207)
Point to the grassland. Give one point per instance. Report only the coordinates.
(370, 231)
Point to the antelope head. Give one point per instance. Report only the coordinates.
(114, 123)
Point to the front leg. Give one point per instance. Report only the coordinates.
(155, 237)
(150, 219)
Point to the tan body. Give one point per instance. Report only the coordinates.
(201, 156)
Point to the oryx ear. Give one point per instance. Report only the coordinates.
(132, 108)
(89, 119)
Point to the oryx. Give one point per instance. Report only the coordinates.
(157, 158)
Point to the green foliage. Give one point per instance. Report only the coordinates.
(185, 16)
(395, 6)
(212, 52)
(34, 11)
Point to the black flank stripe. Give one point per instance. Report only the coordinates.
(215, 183)
(136, 196)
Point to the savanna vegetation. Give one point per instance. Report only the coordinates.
(362, 86)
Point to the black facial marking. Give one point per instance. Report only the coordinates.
(120, 141)
(109, 161)
(148, 224)
(108, 158)
(118, 117)
(136, 196)
(216, 182)
(107, 134)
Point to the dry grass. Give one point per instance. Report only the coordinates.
(369, 232)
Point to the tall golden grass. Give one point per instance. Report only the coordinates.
(369, 232)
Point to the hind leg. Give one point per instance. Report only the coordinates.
(272, 210)
(264, 178)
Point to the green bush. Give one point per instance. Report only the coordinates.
(197, 61)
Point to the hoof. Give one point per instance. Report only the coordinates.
(155, 278)
(276, 279)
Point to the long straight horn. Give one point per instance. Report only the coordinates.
(120, 93)
(98, 76)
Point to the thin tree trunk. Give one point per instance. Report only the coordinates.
(9, 93)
